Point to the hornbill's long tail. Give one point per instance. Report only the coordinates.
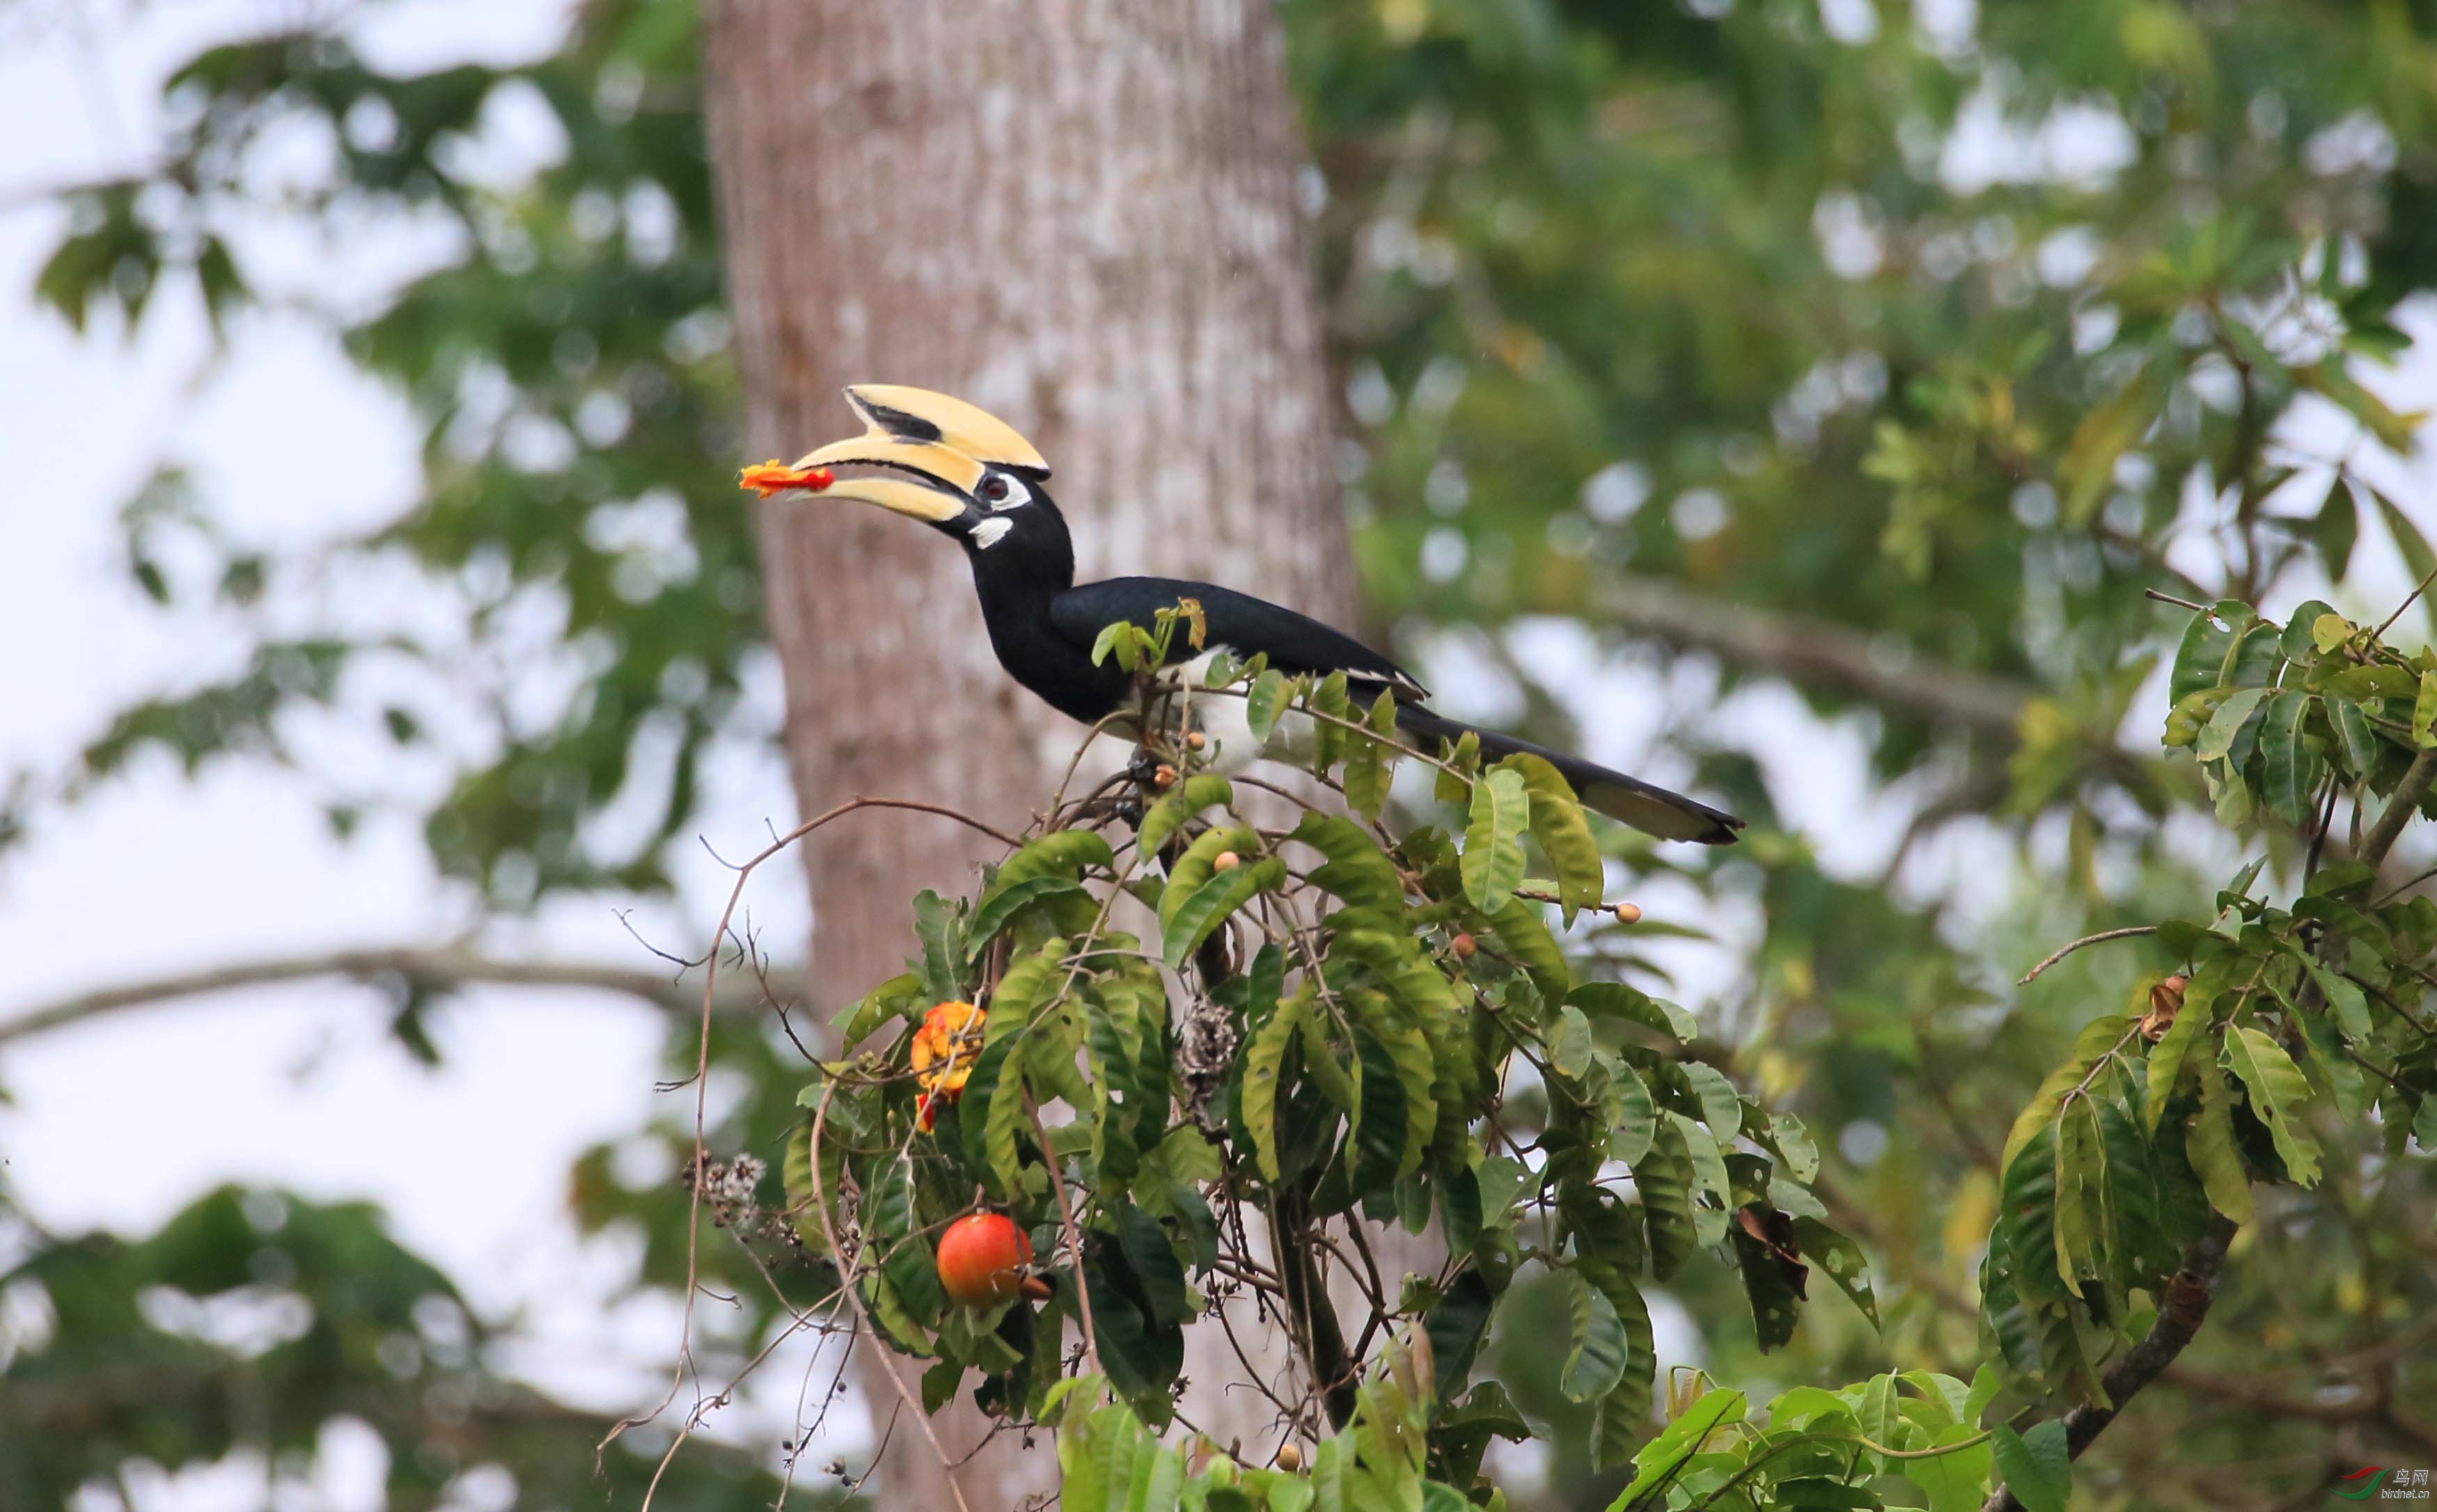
(1651, 809)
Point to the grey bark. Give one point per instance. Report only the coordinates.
(1081, 215)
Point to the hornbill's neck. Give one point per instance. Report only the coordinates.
(1016, 576)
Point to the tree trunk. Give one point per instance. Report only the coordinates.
(1080, 215)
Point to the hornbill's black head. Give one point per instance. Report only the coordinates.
(967, 474)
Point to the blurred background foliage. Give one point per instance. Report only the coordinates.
(1882, 353)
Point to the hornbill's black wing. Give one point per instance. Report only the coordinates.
(1297, 643)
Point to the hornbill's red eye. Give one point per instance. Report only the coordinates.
(993, 488)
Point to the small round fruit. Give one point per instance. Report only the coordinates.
(1226, 861)
(1163, 777)
(1290, 1458)
(1465, 946)
(1193, 740)
(982, 1257)
(1628, 913)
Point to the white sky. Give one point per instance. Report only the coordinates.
(119, 1123)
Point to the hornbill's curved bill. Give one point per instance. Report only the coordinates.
(968, 473)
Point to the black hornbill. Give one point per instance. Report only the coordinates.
(971, 476)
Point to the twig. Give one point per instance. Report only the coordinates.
(1074, 1236)
(702, 1093)
(444, 966)
(2408, 599)
(2179, 603)
(2399, 810)
(2101, 938)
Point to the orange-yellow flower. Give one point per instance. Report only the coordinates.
(945, 1049)
(774, 476)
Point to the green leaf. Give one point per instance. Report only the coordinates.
(1563, 833)
(1570, 1048)
(1793, 1142)
(2287, 758)
(1371, 761)
(1267, 699)
(1465, 757)
(1192, 871)
(2336, 527)
(1597, 1361)
(1636, 1116)
(2279, 1095)
(2027, 1214)
(1320, 1064)
(2424, 713)
(1201, 790)
(1842, 1259)
(2172, 1053)
(2036, 1465)
(2213, 1152)
(2080, 1202)
(1356, 870)
(1614, 999)
(1956, 1481)
(1328, 739)
(2360, 742)
(1722, 1107)
(1379, 1128)
(1664, 1179)
(1065, 853)
(943, 950)
(2103, 436)
(1775, 1304)
(1121, 640)
(2217, 742)
(1522, 934)
(1262, 1063)
(989, 1109)
(2351, 1005)
(1001, 904)
(888, 1000)
(904, 1258)
(1493, 849)
(1664, 1457)
(2097, 1038)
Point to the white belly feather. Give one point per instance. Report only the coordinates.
(1228, 743)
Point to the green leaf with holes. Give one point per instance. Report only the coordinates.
(1842, 1259)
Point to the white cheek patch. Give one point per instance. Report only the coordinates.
(989, 532)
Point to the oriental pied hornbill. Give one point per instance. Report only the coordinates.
(970, 476)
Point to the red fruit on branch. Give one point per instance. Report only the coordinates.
(982, 1258)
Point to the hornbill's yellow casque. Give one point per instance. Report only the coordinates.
(971, 476)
